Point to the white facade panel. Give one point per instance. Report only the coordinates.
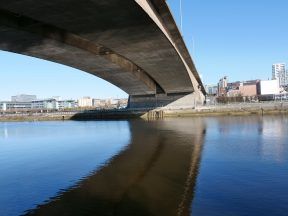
(3, 106)
(268, 87)
(85, 102)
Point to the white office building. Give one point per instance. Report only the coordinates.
(3, 106)
(279, 73)
(14, 106)
(85, 102)
(66, 104)
(44, 104)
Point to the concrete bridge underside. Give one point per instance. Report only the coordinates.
(133, 44)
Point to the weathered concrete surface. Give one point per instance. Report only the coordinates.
(170, 101)
(135, 45)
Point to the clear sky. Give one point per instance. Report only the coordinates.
(240, 39)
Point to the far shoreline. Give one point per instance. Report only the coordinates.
(159, 113)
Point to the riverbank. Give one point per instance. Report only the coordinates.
(232, 109)
(78, 116)
(223, 110)
(34, 117)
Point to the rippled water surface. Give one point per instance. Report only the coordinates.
(194, 166)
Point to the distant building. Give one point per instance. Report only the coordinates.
(44, 104)
(66, 104)
(233, 86)
(280, 73)
(3, 106)
(110, 103)
(58, 98)
(99, 103)
(113, 102)
(122, 103)
(222, 86)
(96, 103)
(211, 89)
(233, 93)
(23, 98)
(245, 89)
(286, 85)
(85, 102)
(14, 106)
(248, 88)
(268, 87)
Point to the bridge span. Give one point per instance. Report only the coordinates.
(133, 44)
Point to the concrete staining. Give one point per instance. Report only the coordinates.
(134, 45)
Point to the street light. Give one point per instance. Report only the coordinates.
(181, 17)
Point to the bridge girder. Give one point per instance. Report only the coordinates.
(134, 45)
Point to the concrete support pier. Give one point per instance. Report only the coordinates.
(173, 101)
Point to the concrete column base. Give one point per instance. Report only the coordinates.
(171, 101)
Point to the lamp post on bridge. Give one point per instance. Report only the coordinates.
(181, 17)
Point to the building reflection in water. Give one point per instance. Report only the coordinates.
(155, 175)
(271, 130)
(274, 137)
(3, 131)
(239, 125)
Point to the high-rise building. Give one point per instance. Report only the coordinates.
(279, 73)
(222, 86)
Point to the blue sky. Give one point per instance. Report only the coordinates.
(240, 39)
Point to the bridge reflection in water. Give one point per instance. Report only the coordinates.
(155, 175)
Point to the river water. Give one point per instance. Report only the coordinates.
(192, 166)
